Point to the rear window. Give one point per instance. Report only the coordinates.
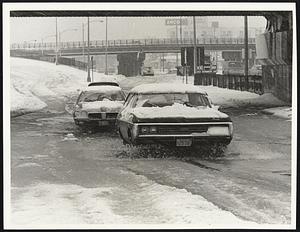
(101, 96)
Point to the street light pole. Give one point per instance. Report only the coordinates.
(246, 50)
(106, 71)
(195, 44)
(88, 50)
(56, 48)
(176, 34)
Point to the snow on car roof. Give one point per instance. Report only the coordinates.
(167, 88)
(104, 88)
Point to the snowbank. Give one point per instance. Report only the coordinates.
(32, 79)
(283, 112)
(235, 98)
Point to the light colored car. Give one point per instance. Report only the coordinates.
(99, 105)
(148, 71)
(175, 114)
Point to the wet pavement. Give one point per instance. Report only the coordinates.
(64, 174)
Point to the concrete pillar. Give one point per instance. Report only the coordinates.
(130, 64)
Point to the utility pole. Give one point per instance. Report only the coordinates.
(42, 47)
(195, 45)
(106, 71)
(176, 34)
(83, 56)
(88, 50)
(246, 51)
(180, 29)
(163, 62)
(56, 48)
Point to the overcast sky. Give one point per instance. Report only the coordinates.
(35, 28)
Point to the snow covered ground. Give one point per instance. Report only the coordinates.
(76, 205)
(283, 112)
(32, 80)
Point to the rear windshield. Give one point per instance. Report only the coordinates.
(102, 96)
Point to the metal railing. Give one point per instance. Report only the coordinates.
(131, 42)
(231, 81)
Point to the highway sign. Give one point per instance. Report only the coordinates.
(172, 22)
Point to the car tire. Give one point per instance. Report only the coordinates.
(212, 150)
(123, 140)
(217, 149)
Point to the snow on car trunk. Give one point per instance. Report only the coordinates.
(103, 106)
(177, 110)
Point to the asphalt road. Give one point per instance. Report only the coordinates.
(90, 177)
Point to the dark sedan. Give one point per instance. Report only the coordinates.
(174, 114)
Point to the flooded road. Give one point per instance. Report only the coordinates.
(62, 174)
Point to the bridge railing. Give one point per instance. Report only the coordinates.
(132, 42)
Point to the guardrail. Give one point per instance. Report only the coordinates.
(231, 81)
(61, 60)
(131, 42)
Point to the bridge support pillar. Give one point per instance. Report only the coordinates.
(130, 64)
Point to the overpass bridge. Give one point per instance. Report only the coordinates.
(131, 52)
(99, 47)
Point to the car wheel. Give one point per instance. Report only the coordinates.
(124, 141)
(217, 150)
(210, 150)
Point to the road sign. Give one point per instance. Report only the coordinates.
(172, 22)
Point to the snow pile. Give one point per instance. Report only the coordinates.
(44, 205)
(177, 110)
(53, 205)
(283, 112)
(22, 100)
(235, 98)
(32, 79)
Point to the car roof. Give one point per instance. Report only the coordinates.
(100, 83)
(167, 88)
(102, 88)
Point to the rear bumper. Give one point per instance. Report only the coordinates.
(99, 122)
(196, 140)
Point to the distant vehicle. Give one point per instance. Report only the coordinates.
(103, 83)
(147, 71)
(256, 70)
(230, 67)
(172, 114)
(98, 105)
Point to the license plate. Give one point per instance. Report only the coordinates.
(183, 142)
(103, 123)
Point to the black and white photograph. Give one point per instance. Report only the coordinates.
(149, 115)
